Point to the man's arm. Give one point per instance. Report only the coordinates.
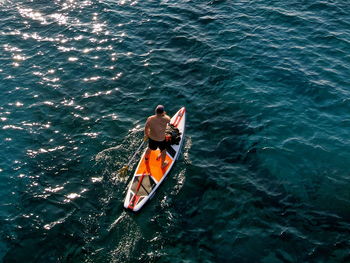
(147, 129)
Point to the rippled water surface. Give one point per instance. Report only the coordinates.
(264, 173)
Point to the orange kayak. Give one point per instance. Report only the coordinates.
(149, 174)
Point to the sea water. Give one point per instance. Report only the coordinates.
(264, 172)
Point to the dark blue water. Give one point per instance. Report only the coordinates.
(264, 174)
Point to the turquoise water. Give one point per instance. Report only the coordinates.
(264, 173)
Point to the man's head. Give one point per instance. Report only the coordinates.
(159, 109)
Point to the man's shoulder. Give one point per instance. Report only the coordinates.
(151, 117)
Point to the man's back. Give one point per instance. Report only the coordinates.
(157, 125)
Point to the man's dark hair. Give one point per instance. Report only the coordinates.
(160, 109)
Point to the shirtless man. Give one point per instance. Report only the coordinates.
(155, 132)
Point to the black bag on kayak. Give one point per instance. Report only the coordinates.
(172, 135)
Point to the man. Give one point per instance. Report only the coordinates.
(155, 133)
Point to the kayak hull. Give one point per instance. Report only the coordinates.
(149, 175)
